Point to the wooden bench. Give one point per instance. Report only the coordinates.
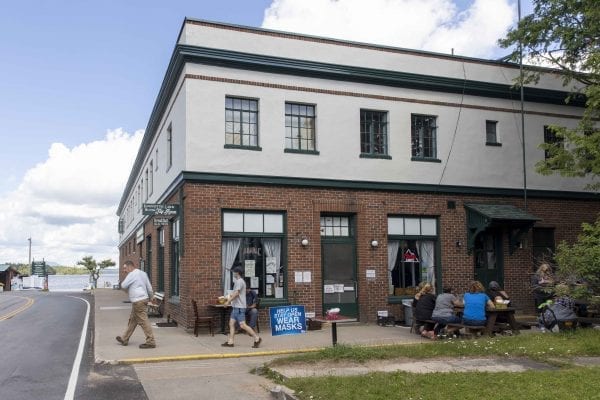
(586, 321)
(470, 329)
(155, 304)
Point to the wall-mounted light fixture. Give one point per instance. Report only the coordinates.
(304, 242)
(458, 243)
(374, 243)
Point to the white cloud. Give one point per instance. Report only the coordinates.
(432, 25)
(67, 203)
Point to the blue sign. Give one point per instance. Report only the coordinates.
(287, 320)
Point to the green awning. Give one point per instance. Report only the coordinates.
(483, 216)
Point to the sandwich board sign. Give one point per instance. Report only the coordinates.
(287, 320)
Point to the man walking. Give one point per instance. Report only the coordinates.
(140, 291)
(237, 299)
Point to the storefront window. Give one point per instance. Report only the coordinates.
(254, 241)
(412, 243)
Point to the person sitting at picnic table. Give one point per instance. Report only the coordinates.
(495, 292)
(475, 302)
(443, 312)
(425, 303)
(560, 309)
(541, 283)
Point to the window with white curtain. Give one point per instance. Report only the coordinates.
(412, 243)
(255, 242)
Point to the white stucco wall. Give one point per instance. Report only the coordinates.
(471, 162)
(259, 42)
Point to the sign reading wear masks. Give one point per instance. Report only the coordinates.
(287, 320)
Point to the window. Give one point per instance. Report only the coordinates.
(336, 226)
(147, 192)
(160, 286)
(254, 241)
(169, 146)
(424, 136)
(543, 245)
(299, 127)
(551, 138)
(412, 243)
(175, 259)
(241, 122)
(373, 133)
(151, 181)
(491, 138)
(156, 158)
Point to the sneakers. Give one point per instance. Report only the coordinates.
(147, 346)
(256, 344)
(120, 340)
(227, 344)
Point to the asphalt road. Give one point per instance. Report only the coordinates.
(40, 333)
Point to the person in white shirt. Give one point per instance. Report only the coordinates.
(139, 289)
(237, 299)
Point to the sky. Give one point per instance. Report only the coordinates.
(78, 80)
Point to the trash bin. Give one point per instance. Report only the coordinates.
(408, 312)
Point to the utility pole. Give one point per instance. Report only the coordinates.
(522, 113)
(29, 251)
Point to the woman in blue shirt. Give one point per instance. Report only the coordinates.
(475, 303)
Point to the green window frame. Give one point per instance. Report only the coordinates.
(423, 137)
(241, 123)
(300, 127)
(374, 133)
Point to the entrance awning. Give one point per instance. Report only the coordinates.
(483, 216)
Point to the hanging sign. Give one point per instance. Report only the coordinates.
(164, 210)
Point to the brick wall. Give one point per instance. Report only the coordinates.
(201, 260)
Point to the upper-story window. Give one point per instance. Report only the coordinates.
(424, 136)
(147, 187)
(550, 137)
(491, 134)
(169, 146)
(373, 133)
(300, 127)
(241, 122)
(151, 178)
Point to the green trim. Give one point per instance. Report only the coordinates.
(380, 156)
(425, 159)
(240, 147)
(295, 151)
(397, 299)
(238, 179)
(266, 302)
(183, 54)
(493, 144)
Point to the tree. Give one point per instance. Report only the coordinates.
(566, 35)
(580, 262)
(94, 268)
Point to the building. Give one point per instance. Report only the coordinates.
(342, 174)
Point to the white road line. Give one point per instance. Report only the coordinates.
(70, 394)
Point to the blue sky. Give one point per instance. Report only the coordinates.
(78, 80)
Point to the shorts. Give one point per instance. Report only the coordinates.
(238, 314)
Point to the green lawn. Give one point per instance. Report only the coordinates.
(566, 382)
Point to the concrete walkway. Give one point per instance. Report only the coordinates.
(176, 344)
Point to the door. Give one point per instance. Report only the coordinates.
(489, 257)
(338, 254)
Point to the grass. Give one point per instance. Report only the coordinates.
(540, 347)
(565, 382)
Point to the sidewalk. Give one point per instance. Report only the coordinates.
(175, 344)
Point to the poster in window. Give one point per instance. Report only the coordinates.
(339, 287)
(270, 279)
(268, 290)
(254, 281)
(279, 293)
(249, 268)
(271, 265)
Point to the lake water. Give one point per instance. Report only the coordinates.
(107, 278)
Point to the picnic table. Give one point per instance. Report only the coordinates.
(340, 319)
(222, 309)
(492, 317)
